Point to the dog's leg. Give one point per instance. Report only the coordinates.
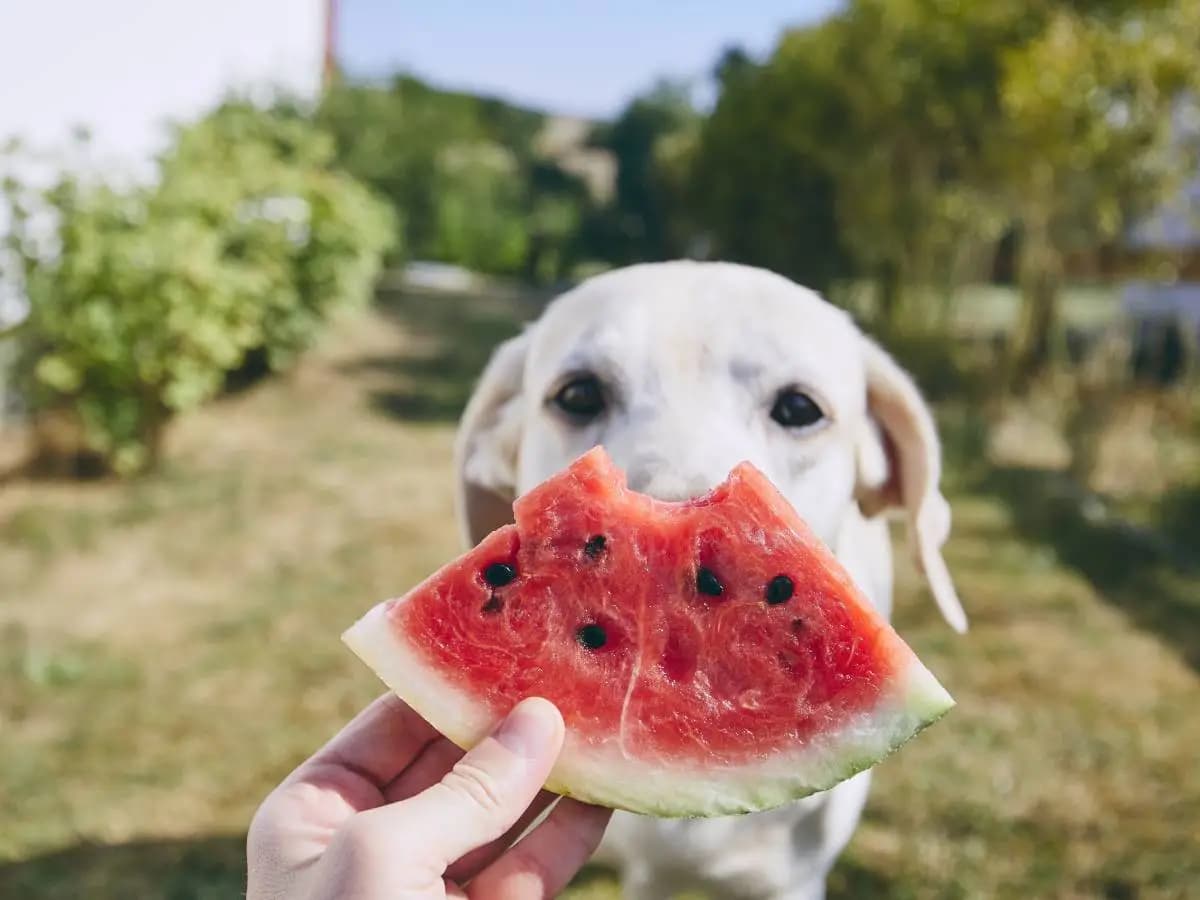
(819, 839)
(809, 890)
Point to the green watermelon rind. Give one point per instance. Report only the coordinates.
(605, 776)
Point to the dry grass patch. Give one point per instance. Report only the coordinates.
(168, 649)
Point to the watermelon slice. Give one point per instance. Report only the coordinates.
(709, 657)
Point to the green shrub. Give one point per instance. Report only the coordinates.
(143, 298)
(267, 181)
(478, 197)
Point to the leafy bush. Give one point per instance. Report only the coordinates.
(266, 181)
(143, 298)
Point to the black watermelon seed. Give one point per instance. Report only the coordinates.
(494, 605)
(798, 626)
(780, 589)
(708, 583)
(595, 545)
(499, 574)
(592, 636)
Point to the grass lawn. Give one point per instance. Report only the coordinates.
(169, 649)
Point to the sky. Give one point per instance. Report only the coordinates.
(568, 56)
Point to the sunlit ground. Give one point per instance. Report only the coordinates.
(169, 649)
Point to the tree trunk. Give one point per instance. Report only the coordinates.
(947, 297)
(887, 295)
(58, 446)
(1039, 316)
(1040, 271)
(153, 434)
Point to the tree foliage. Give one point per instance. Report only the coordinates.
(462, 171)
(759, 189)
(478, 199)
(900, 139)
(650, 140)
(1086, 141)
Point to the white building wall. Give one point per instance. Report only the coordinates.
(123, 67)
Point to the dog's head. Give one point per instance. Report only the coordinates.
(682, 370)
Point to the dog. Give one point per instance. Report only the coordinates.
(681, 370)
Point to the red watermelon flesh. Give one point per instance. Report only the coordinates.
(708, 657)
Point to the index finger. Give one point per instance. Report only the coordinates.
(377, 745)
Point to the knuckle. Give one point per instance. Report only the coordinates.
(476, 784)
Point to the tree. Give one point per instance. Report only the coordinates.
(392, 138)
(910, 92)
(558, 204)
(1085, 144)
(855, 144)
(758, 189)
(463, 172)
(900, 139)
(639, 224)
(477, 199)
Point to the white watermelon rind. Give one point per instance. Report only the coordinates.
(605, 776)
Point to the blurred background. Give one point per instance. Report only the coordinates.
(255, 253)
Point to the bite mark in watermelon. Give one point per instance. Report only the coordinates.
(708, 656)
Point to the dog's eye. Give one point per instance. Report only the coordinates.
(794, 409)
(582, 397)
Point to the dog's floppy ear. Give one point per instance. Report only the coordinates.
(488, 444)
(899, 466)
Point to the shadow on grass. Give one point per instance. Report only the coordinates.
(1180, 517)
(1152, 577)
(213, 867)
(199, 869)
(448, 340)
(851, 880)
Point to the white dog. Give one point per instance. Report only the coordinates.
(681, 370)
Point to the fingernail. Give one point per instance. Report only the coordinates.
(531, 728)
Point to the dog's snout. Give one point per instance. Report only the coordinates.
(668, 487)
(662, 479)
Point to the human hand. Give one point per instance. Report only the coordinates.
(391, 809)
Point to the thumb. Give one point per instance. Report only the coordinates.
(487, 790)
